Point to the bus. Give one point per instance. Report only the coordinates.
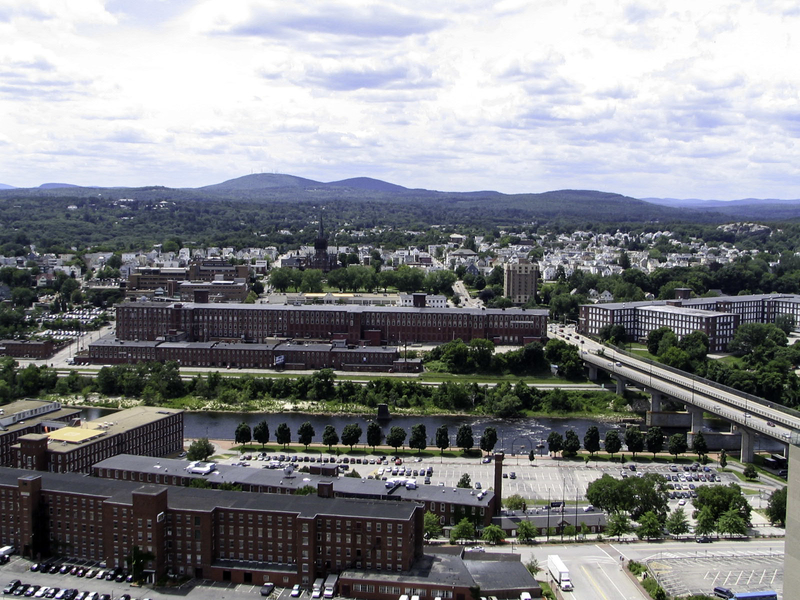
(756, 596)
(780, 459)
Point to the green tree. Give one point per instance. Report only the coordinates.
(261, 433)
(571, 443)
(374, 435)
(723, 459)
(654, 339)
(200, 484)
(493, 534)
(731, 523)
(488, 439)
(649, 526)
(612, 444)
(721, 498)
(677, 444)
(515, 502)
(677, 522)
(312, 281)
(464, 438)
(776, 507)
(351, 434)
(618, 525)
(654, 440)
(555, 442)
(280, 279)
(243, 434)
(699, 445)
(200, 449)
(750, 471)
(464, 530)
(442, 438)
(306, 490)
(419, 437)
(283, 435)
(591, 440)
(396, 437)
(465, 481)
(705, 523)
(329, 437)
(431, 527)
(305, 433)
(634, 440)
(526, 531)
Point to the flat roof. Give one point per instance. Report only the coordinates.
(112, 424)
(685, 310)
(441, 569)
(74, 435)
(344, 307)
(181, 498)
(251, 476)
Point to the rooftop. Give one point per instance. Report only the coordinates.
(350, 308)
(251, 476)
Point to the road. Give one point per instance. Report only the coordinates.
(681, 566)
(779, 424)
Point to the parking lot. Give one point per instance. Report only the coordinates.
(700, 571)
(541, 480)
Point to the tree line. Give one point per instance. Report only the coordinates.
(351, 436)
(635, 440)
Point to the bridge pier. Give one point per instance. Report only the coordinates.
(655, 401)
(592, 372)
(668, 419)
(697, 417)
(621, 383)
(748, 443)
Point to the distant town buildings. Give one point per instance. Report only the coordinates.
(717, 317)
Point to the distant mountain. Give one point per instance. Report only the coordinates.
(3, 186)
(261, 181)
(747, 208)
(55, 186)
(367, 183)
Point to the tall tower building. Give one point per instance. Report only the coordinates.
(519, 281)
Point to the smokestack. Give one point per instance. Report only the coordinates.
(498, 481)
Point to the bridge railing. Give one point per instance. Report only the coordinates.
(723, 388)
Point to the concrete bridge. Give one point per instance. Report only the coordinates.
(748, 414)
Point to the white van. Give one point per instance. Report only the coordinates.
(404, 597)
(524, 596)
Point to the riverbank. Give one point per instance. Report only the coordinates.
(311, 408)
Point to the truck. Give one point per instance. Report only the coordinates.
(331, 583)
(7, 550)
(316, 589)
(559, 572)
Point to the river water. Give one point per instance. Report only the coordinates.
(514, 435)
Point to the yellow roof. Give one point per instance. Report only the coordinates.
(75, 435)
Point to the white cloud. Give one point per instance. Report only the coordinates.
(644, 98)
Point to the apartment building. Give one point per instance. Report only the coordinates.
(449, 504)
(520, 280)
(273, 354)
(366, 325)
(211, 534)
(24, 417)
(717, 317)
(140, 430)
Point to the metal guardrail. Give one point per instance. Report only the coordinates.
(724, 388)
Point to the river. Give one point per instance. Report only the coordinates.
(514, 435)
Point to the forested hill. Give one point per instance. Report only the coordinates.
(255, 209)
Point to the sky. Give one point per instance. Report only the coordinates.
(682, 99)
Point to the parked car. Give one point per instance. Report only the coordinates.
(296, 591)
(267, 589)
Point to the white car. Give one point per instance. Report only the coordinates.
(296, 591)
